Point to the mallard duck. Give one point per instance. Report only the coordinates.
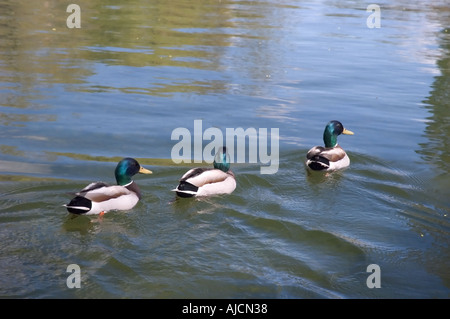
(99, 198)
(332, 156)
(208, 181)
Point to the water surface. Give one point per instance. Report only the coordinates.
(75, 101)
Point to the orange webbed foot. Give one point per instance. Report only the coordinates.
(100, 216)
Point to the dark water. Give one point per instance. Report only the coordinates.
(75, 101)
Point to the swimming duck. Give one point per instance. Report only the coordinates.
(99, 197)
(208, 181)
(332, 156)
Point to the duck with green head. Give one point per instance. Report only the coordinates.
(208, 181)
(332, 156)
(99, 197)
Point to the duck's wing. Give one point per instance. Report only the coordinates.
(185, 187)
(193, 173)
(332, 154)
(201, 176)
(91, 187)
(205, 181)
(226, 185)
(316, 150)
(100, 192)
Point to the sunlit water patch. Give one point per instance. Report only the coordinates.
(73, 102)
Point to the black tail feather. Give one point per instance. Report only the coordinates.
(79, 205)
(318, 163)
(186, 186)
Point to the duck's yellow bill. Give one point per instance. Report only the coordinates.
(347, 132)
(145, 171)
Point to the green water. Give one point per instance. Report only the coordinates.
(75, 101)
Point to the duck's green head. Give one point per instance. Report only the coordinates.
(126, 169)
(222, 160)
(332, 131)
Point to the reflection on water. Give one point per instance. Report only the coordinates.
(43, 51)
(82, 224)
(75, 101)
(436, 150)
